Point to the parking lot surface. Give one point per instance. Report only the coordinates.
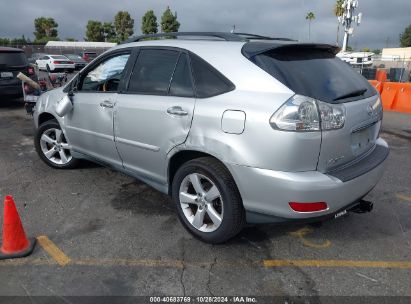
(103, 233)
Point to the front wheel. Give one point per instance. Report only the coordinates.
(207, 200)
(52, 147)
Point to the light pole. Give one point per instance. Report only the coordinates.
(348, 18)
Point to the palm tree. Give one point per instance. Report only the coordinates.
(338, 12)
(310, 16)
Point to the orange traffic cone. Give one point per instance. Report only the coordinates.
(15, 243)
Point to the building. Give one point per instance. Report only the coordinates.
(394, 54)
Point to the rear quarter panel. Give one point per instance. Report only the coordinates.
(259, 145)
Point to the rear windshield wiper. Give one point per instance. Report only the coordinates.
(351, 94)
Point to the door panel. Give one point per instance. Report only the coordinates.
(148, 121)
(145, 132)
(89, 126)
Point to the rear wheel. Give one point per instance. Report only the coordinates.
(207, 200)
(52, 147)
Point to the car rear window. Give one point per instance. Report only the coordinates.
(13, 59)
(59, 57)
(208, 81)
(315, 73)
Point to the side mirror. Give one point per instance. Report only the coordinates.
(64, 106)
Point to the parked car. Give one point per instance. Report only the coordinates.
(88, 56)
(32, 59)
(55, 63)
(79, 62)
(12, 62)
(236, 131)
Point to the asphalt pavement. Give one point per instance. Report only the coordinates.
(104, 233)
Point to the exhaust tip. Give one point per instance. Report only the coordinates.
(363, 207)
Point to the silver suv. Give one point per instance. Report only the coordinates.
(236, 128)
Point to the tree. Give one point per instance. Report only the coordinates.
(366, 50)
(310, 17)
(45, 29)
(94, 31)
(71, 39)
(349, 49)
(18, 41)
(109, 32)
(149, 23)
(377, 51)
(169, 22)
(405, 37)
(338, 12)
(4, 41)
(124, 25)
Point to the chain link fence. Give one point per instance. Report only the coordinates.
(30, 49)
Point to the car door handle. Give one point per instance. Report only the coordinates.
(176, 110)
(106, 104)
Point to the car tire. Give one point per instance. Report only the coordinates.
(52, 147)
(217, 213)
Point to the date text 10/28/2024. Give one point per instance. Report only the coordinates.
(199, 299)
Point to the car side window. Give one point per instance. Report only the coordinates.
(44, 58)
(181, 83)
(106, 76)
(152, 71)
(208, 81)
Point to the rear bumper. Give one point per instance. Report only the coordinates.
(11, 90)
(266, 193)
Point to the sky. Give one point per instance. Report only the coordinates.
(382, 23)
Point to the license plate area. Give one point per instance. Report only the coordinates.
(364, 139)
(6, 75)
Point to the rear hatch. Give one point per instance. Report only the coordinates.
(11, 63)
(314, 71)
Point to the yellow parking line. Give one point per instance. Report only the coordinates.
(64, 260)
(130, 262)
(58, 255)
(404, 197)
(337, 263)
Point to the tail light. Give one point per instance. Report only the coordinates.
(56, 62)
(305, 114)
(70, 62)
(85, 57)
(308, 207)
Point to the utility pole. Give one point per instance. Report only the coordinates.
(347, 20)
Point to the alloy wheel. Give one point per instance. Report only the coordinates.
(201, 202)
(55, 147)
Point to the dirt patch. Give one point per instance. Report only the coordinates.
(139, 198)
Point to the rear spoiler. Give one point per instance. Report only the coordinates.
(252, 49)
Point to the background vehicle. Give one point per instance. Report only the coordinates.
(282, 131)
(12, 61)
(79, 62)
(54, 63)
(88, 56)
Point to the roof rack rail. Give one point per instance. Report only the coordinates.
(260, 37)
(220, 35)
